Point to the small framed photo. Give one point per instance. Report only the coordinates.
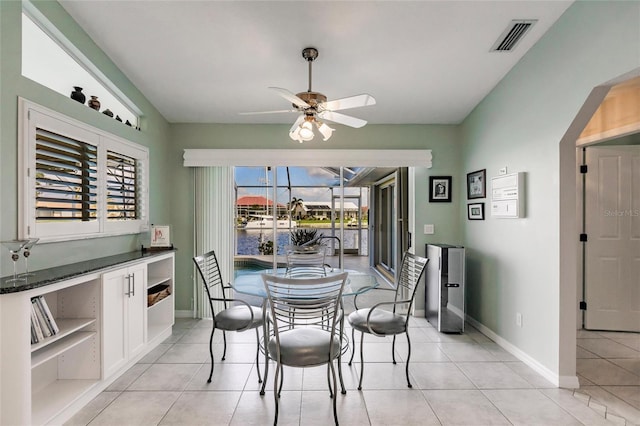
(477, 184)
(160, 236)
(475, 211)
(440, 189)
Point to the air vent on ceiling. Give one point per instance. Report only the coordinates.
(512, 35)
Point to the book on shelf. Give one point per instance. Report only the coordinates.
(42, 320)
(34, 336)
(52, 322)
(44, 325)
(36, 324)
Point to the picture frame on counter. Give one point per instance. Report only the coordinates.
(160, 236)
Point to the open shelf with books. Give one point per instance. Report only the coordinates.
(66, 362)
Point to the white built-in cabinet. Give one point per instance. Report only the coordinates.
(124, 298)
(105, 327)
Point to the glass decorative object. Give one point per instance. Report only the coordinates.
(26, 252)
(14, 248)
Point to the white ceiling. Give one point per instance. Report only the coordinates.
(425, 62)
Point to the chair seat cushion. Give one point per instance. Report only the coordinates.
(238, 317)
(304, 347)
(381, 321)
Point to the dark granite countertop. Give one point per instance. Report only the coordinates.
(56, 274)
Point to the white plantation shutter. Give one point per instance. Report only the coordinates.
(122, 187)
(77, 181)
(66, 179)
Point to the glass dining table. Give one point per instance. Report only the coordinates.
(251, 283)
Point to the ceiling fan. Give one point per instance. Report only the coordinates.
(315, 108)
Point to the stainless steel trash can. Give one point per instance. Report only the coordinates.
(444, 287)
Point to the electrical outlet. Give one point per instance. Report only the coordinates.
(519, 319)
(429, 229)
(502, 171)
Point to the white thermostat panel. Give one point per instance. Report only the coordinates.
(507, 196)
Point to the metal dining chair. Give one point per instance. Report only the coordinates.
(306, 262)
(237, 315)
(385, 322)
(304, 327)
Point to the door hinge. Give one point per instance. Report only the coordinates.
(583, 238)
(583, 306)
(583, 168)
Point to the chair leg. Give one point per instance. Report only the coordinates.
(343, 389)
(224, 337)
(393, 350)
(213, 329)
(329, 369)
(335, 390)
(408, 358)
(361, 360)
(258, 355)
(276, 392)
(353, 345)
(266, 358)
(281, 380)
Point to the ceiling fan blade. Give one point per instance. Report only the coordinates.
(267, 112)
(342, 119)
(350, 102)
(290, 97)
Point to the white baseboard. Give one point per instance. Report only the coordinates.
(185, 314)
(570, 382)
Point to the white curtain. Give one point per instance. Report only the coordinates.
(213, 222)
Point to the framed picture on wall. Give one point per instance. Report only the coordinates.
(439, 189)
(475, 211)
(477, 184)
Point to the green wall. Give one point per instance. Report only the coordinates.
(13, 85)
(513, 264)
(442, 140)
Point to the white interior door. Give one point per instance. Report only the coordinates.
(612, 253)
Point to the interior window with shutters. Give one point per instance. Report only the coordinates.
(78, 181)
(121, 187)
(66, 178)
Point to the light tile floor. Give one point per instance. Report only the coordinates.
(608, 367)
(457, 380)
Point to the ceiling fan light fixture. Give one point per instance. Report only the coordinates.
(295, 135)
(306, 131)
(325, 130)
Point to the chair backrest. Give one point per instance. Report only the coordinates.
(207, 265)
(411, 272)
(304, 302)
(306, 263)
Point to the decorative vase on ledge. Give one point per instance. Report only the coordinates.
(94, 103)
(77, 95)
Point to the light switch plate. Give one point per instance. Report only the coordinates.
(429, 229)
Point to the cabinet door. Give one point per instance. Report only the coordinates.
(137, 307)
(114, 309)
